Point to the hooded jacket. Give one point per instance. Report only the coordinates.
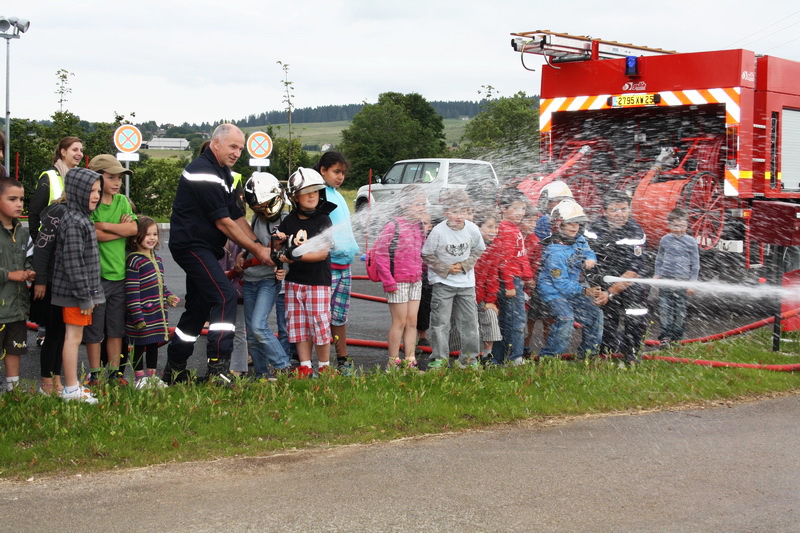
(407, 253)
(562, 268)
(15, 254)
(76, 277)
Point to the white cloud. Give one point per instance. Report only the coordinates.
(176, 61)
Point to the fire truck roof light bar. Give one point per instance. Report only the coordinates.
(576, 47)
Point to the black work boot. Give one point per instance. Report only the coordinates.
(218, 372)
(175, 373)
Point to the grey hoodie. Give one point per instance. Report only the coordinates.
(76, 277)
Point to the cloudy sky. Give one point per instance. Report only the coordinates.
(194, 61)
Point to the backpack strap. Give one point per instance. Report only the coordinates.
(393, 246)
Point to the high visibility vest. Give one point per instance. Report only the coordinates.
(237, 179)
(56, 185)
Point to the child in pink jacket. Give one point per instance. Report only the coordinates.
(398, 259)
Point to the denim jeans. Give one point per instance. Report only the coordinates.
(567, 311)
(239, 354)
(266, 350)
(283, 333)
(511, 317)
(672, 304)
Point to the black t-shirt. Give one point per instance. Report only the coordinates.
(298, 231)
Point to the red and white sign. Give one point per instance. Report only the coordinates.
(128, 138)
(259, 145)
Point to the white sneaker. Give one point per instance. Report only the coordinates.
(150, 382)
(83, 395)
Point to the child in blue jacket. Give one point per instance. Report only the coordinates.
(565, 256)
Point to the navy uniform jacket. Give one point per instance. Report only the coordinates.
(618, 249)
(205, 194)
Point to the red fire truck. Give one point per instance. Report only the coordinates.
(731, 119)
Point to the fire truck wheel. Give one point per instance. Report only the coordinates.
(703, 199)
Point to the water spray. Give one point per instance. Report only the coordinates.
(714, 287)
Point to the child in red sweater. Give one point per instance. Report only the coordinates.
(510, 268)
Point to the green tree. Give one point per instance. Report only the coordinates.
(286, 156)
(396, 127)
(31, 153)
(288, 99)
(505, 133)
(505, 120)
(153, 186)
(62, 86)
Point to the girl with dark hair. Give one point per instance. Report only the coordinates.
(333, 167)
(146, 297)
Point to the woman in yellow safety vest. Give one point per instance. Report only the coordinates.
(69, 153)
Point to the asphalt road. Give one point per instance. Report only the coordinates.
(730, 467)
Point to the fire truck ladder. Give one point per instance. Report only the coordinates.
(563, 48)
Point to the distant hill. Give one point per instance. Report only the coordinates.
(313, 135)
(338, 113)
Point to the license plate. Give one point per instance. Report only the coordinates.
(631, 100)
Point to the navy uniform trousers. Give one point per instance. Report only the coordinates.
(209, 296)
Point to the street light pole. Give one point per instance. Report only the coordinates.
(8, 108)
(16, 26)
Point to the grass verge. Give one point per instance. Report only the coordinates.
(129, 428)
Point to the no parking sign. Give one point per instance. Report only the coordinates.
(259, 146)
(128, 138)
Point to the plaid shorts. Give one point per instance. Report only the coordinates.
(341, 284)
(308, 313)
(405, 292)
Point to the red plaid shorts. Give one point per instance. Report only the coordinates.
(308, 313)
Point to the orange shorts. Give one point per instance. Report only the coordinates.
(72, 315)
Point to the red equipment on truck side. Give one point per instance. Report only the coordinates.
(731, 118)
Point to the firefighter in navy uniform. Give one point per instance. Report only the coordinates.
(619, 243)
(205, 215)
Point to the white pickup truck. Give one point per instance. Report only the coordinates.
(434, 174)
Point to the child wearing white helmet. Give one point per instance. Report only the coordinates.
(306, 236)
(551, 195)
(562, 287)
(262, 283)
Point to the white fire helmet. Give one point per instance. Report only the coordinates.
(555, 192)
(566, 211)
(305, 180)
(264, 194)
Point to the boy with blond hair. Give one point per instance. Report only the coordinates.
(451, 251)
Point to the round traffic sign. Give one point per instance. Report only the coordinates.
(128, 138)
(259, 145)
